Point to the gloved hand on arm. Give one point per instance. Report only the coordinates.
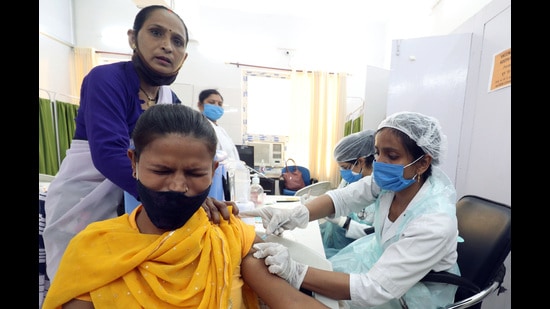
(276, 220)
(279, 262)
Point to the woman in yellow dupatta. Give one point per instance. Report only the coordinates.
(166, 253)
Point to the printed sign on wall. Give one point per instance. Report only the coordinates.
(502, 70)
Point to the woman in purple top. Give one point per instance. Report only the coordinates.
(96, 170)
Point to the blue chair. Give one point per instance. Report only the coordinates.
(305, 175)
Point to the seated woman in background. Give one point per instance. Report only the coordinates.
(166, 253)
(354, 154)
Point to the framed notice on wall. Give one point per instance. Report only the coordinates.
(501, 73)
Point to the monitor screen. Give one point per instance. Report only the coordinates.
(246, 154)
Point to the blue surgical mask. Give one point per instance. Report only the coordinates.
(169, 210)
(390, 176)
(349, 175)
(213, 112)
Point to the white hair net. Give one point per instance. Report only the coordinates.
(424, 130)
(356, 145)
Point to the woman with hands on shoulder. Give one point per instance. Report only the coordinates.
(415, 225)
(166, 253)
(95, 172)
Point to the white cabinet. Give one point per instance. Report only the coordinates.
(429, 75)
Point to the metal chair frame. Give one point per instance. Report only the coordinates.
(485, 226)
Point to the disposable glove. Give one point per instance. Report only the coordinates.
(276, 220)
(357, 230)
(279, 262)
(340, 221)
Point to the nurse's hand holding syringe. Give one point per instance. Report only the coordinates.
(276, 220)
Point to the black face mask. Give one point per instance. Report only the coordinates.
(169, 210)
(149, 75)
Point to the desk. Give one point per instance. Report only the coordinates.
(309, 237)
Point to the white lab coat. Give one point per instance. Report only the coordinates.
(225, 143)
(335, 237)
(357, 229)
(423, 238)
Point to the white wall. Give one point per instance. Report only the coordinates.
(485, 163)
(486, 160)
(429, 75)
(54, 66)
(206, 68)
(55, 50)
(56, 18)
(376, 96)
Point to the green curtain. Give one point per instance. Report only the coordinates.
(47, 149)
(66, 114)
(352, 126)
(347, 128)
(357, 124)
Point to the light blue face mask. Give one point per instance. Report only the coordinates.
(390, 176)
(349, 175)
(213, 112)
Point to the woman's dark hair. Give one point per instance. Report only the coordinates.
(206, 93)
(162, 119)
(411, 147)
(144, 14)
(369, 160)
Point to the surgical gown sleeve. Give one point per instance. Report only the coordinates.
(354, 197)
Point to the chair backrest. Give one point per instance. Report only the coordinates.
(314, 189)
(306, 176)
(485, 226)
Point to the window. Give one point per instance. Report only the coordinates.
(266, 102)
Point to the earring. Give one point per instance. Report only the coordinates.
(186, 189)
(134, 46)
(134, 174)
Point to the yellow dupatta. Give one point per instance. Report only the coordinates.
(190, 267)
